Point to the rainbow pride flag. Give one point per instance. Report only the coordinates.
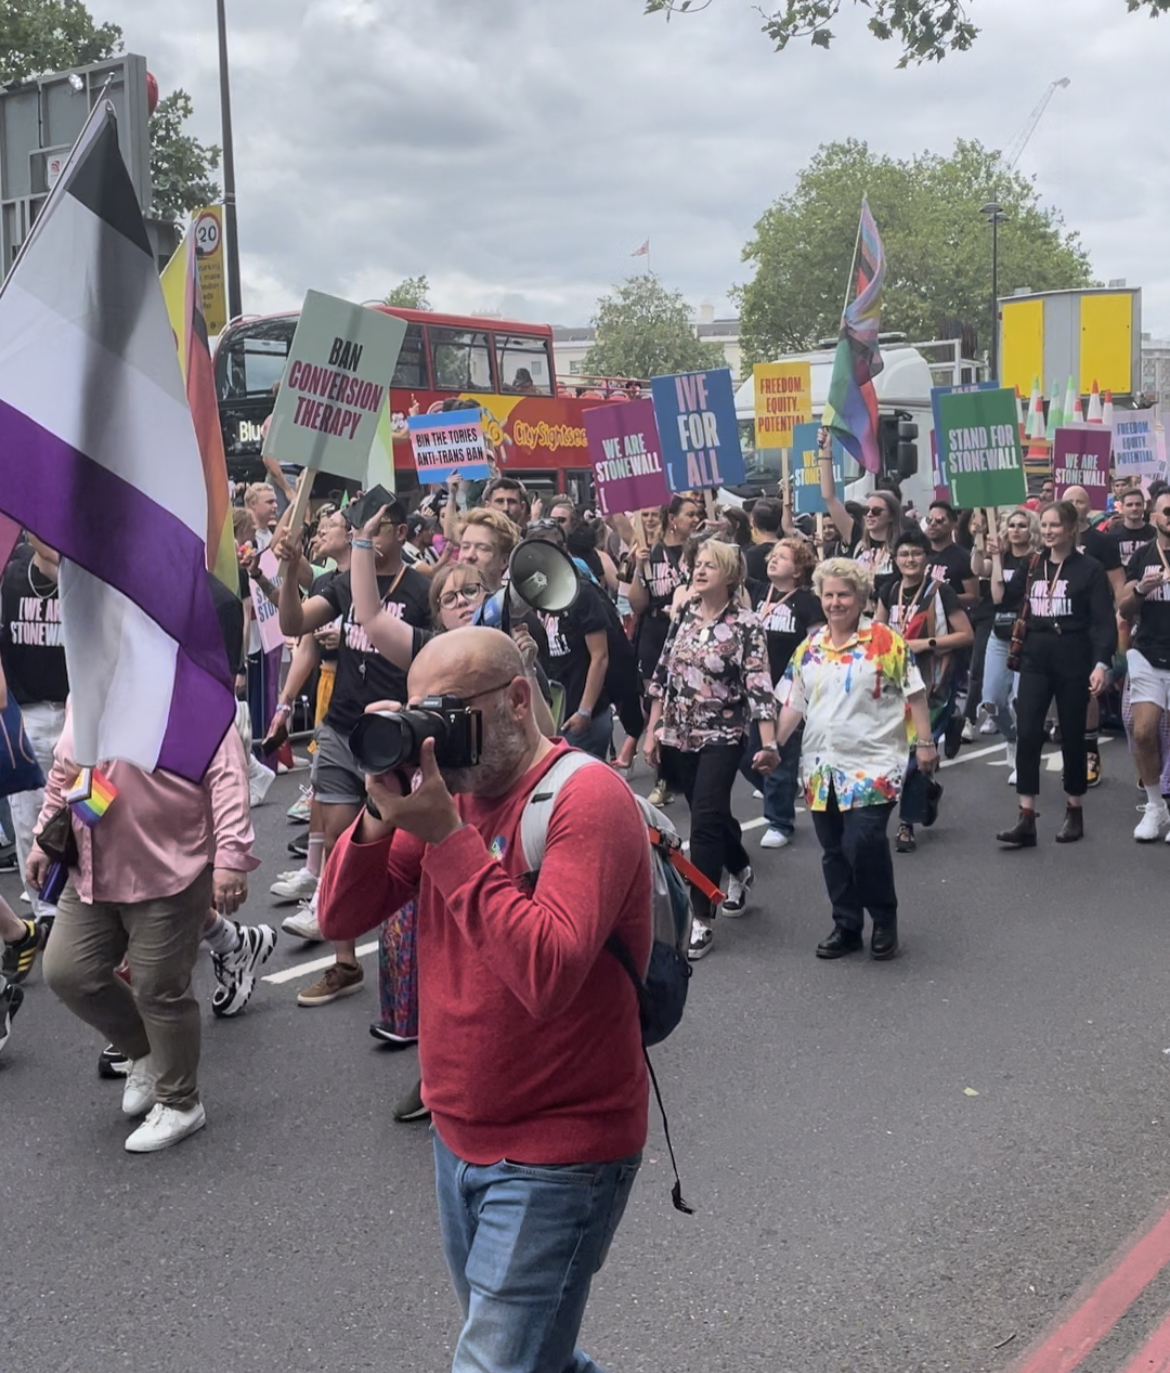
(90, 796)
(851, 411)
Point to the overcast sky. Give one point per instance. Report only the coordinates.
(518, 151)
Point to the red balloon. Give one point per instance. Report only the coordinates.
(151, 93)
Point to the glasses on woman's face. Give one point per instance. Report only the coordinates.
(461, 595)
(874, 512)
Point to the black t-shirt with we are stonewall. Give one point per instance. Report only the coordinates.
(363, 675)
(30, 645)
(1152, 639)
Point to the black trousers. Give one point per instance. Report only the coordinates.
(978, 654)
(1053, 667)
(856, 862)
(706, 779)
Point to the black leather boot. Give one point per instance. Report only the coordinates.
(1022, 835)
(884, 943)
(1073, 827)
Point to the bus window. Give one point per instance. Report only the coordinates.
(411, 369)
(255, 359)
(460, 360)
(522, 364)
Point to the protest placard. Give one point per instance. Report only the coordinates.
(1135, 445)
(267, 620)
(783, 399)
(451, 441)
(697, 429)
(334, 386)
(936, 395)
(806, 473)
(626, 456)
(1080, 457)
(980, 437)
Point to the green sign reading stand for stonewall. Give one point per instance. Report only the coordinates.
(980, 441)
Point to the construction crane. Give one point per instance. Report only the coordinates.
(1015, 150)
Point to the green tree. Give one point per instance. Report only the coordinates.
(937, 246)
(179, 164)
(926, 29)
(644, 330)
(411, 293)
(39, 36)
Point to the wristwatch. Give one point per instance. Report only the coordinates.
(932, 643)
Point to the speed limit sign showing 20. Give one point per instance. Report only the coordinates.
(208, 231)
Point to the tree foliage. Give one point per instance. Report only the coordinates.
(38, 36)
(937, 246)
(644, 330)
(926, 29)
(180, 165)
(411, 293)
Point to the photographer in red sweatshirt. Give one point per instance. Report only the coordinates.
(529, 1037)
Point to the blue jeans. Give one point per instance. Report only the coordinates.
(780, 786)
(596, 739)
(522, 1243)
(1000, 687)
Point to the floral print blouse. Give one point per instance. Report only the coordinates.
(713, 679)
(857, 728)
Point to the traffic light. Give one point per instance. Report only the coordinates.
(907, 448)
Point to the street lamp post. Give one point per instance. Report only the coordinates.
(995, 217)
(235, 306)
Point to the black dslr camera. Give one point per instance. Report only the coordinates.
(391, 741)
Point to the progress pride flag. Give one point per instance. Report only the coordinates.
(626, 456)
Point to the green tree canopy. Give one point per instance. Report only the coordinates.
(926, 29)
(411, 293)
(644, 330)
(38, 36)
(937, 245)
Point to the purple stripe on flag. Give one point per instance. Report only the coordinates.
(126, 539)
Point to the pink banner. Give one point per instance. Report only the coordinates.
(626, 456)
(1080, 457)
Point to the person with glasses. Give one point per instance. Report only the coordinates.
(869, 541)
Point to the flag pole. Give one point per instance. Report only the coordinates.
(853, 263)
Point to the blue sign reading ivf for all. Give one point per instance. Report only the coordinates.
(697, 429)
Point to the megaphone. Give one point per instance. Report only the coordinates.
(541, 577)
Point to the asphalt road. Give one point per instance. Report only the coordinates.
(905, 1168)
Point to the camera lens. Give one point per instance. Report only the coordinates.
(393, 739)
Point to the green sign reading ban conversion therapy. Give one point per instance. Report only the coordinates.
(980, 441)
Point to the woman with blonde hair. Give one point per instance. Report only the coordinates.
(851, 684)
(711, 682)
(1006, 555)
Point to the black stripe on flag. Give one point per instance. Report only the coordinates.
(102, 184)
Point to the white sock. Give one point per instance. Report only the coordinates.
(223, 937)
(1155, 795)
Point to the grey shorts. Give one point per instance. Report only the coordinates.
(337, 779)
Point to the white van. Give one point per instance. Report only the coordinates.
(903, 392)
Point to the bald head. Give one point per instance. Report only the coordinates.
(464, 661)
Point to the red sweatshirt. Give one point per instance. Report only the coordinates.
(528, 1027)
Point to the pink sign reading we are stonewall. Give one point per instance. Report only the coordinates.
(1080, 457)
(626, 456)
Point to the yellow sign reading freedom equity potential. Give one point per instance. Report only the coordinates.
(783, 400)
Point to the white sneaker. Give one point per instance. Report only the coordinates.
(298, 885)
(1011, 757)
(260, 780)
(235, 973)
(968, 732)
(300, 809)
(166, 1125)
(138, 1094)
(1155, 818)
(757, 794)
(302, 924)
(702, 936)
(989, 726)
(774, 839)
(738, 886)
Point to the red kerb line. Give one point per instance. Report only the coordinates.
(1154, 1356)
(1129, 1273)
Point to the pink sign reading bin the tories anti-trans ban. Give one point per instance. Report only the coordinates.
(626, 456)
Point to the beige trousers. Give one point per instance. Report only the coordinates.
(158, 1013)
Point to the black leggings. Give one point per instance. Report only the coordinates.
(706, 779)
(1054, 667)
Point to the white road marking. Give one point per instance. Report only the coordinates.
(316, 965)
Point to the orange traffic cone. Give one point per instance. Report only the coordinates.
(1078, 415)
(1095, 415)
(1037, 454)
(1107, 410)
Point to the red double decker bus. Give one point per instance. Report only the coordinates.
(505, 366)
